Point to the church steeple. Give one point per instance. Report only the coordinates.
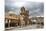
(22, 9)
(24, 12)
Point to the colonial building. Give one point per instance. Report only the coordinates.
(21, 20)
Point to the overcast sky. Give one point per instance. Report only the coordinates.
(35, 8)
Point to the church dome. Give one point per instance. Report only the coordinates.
(11, 12)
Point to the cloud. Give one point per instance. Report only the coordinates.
(35, 8)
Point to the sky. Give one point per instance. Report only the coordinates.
(35, 8)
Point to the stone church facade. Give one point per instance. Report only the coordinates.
(20, 20)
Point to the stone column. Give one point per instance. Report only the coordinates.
(8, 23)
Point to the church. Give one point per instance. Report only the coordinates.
(12, 20)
